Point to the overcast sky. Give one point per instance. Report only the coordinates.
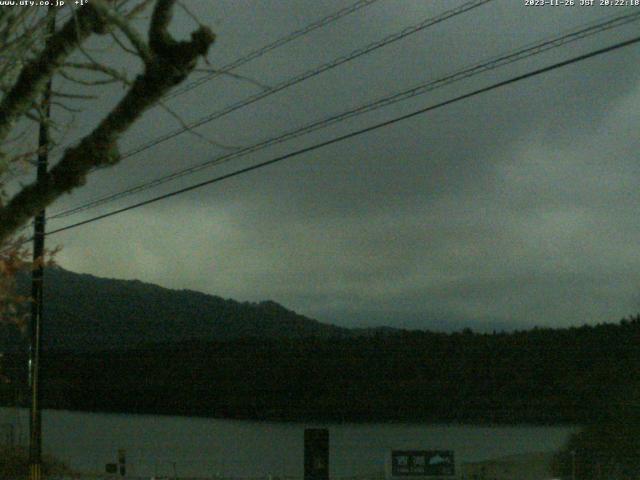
(515, 208)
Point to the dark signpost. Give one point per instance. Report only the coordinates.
(422, 463)
(316, 454)
(122, 462)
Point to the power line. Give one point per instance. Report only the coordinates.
(272, 46)
(475, 69)
(356, 133)
(310, 74)
(496, 62)
(304, 76)
(358, 5)
(332, 17)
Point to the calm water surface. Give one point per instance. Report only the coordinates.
(205, 447)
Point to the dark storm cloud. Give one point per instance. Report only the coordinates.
(516, 207)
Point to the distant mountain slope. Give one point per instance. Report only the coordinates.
(84, 312)
(127, 346)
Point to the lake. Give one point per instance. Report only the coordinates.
(155, 445)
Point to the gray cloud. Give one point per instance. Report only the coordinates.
(514, 208)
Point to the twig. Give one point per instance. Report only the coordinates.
(138, 8)
(193, 132)
(72, 96)
(122, 45)
(123, 25)
(189, 13)
(167, 63)
(66, 107)
(237, 76)
(100, 68)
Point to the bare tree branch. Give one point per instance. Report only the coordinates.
(112, 74)
(113, 18)
(168, 62)
(87, 83)
(122, 45)
(193, 131)
(73, 96)
(138, 9)
(35, 74)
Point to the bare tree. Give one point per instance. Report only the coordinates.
(166, 63)
(31, 53)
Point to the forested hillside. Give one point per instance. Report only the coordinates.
(538, 376)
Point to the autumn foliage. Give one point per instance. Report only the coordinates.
(13, 259)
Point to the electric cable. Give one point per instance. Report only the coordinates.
(271, 46)
(475, 69)
(310, 74)
(356, 133)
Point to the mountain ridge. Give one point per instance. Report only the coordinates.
(86, 312)
(313, 371)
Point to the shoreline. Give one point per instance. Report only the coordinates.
(312, 420)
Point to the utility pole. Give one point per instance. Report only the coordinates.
(37, 275)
